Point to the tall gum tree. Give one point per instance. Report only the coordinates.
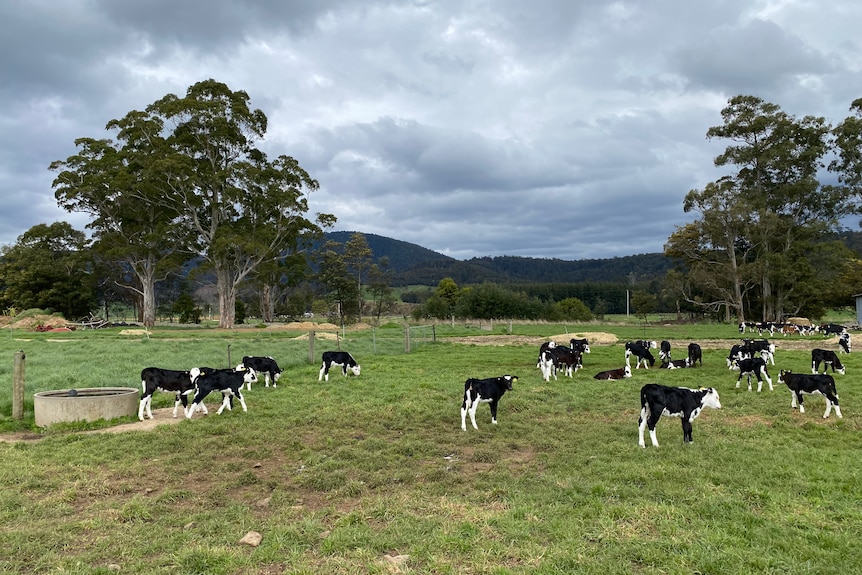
(114, 182)
(775, 161)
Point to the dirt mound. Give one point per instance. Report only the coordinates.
(34, 321)
(304, 326)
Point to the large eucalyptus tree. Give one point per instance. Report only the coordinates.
(193, 162)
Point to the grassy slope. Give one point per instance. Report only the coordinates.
(337, 475)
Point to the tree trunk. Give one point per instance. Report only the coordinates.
(148, 308)
(226, 299)
(267, 306)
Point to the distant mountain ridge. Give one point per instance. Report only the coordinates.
(415, 265)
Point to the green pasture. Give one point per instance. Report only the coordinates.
(337, 476)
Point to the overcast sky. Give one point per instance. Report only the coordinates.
(545, 128)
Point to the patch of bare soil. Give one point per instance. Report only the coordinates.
(162, 416)
(594, 337)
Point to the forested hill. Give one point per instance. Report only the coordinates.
(415, 265)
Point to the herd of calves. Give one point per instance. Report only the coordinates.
(751, 358)
(199, 382)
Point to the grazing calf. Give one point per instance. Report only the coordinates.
(646, 343)
(844, 342)
(762, 347)
(340, 358)
(228, 381)
(155, 379)
(695, 354)
(488, 391)
(623, 372)
(803, 384)
(682, 402)
(641, 352)
(753, 366)
(734, 356)
(674, 364)
(664, 351)
(265, 365)
(828, 358)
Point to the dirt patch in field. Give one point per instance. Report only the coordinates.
(602, 338)
(594, 337)
(161, 416)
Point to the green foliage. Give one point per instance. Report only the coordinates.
(49, 267)
(186, 309)
(573, 309)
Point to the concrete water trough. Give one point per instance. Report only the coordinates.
(87, 404)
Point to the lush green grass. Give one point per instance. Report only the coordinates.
(336, 475)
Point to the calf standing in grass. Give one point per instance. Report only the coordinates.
(828, 358)
(488, 391)
(339, 358)
(658, 400)
(155, 379)
(265, 365)
(803, 384)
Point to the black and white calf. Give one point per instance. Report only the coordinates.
(695, 354)
(155, 379)
(674, 364)
(559, 357)
(828, 358)
(734, 356)
(664, 351)
(228, 381)
(641, 352)
(753, 366)
(581, 345)
(828, 329)
(623, 372)
(682, 402)
(488, 391)
(762, 347)
(265, 365)
(803, 384)
(339, 358)
(844, 342)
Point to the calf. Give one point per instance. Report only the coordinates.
(734, 356)
(682, 402)
(623, 372)
(664, 351)
(801, 384)
(832, 328)
(844, 342)
(228, 381)
(543, 348)
(641, 352)
(559, 357)
(760, 346)
(340, 358)
(674, 364)
(755, 366)
(488, 391)
(265, 365)
(581, 345)
(157, 379)
(828, 358)
(695, 354)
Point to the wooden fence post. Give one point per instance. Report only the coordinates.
(311, 347)
(407, 339)
(18, 386)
